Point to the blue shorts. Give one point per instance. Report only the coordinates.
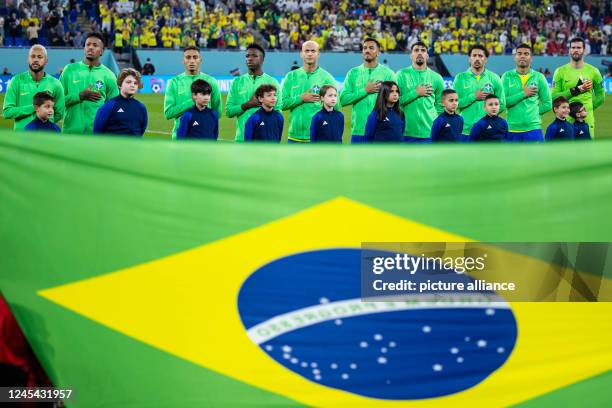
(298, 141)
(531, 136)
(410, 139)
(357, 139)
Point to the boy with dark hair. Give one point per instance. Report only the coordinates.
(199, 122)
(560, 128)
(581, 128)
(327, 125)
(43, 107)
(265, 124)
(490, 128)
(448, 125)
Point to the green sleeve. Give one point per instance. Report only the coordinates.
(112, 89)
(391, 76)
(466, 98)
(407, 96)
(349, 94)
(290, 102)
(233, 107)
(558, 86)
(544, 94)
(279, 97)
(71, 92)
(599, 94)
(512, 98)
(60, 104)
(10, 110)
(499, 91)
(215, 99)
(171, 109)
(439, 88)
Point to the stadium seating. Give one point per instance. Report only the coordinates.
(450, 27)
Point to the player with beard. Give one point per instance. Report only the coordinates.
(580, 82)
(420, 95)
(474, 85)
(527, 98)
(361, 87)
(87, 85)
(18, 103)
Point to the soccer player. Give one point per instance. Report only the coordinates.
(328, 124)
(474, 85)
(266, 124)
(178, 93)
(421, 95)
(300, 92)
(581, 128)
(386, 123)
(527, 98)
(87, 85)
(448, 126)
(123, 115)
(490, 128)
(199, 122)
(560, 128)
(361, 87)
(22, 88)
(241, 101)
(580, 82)
(44, 106)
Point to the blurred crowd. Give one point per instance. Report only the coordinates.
(449, 26)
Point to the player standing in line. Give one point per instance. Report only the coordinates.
(178, 98)
(580, 82)
(87, 85)
(527, 98)
(300, 92)
(22, 88)
(361, 87)
(474, 85)
(421, 95)
(242, 101)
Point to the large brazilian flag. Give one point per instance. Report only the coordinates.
(156, 274)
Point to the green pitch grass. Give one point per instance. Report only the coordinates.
(159, 127)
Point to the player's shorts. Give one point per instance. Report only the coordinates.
(530, 136)
(357, 139)
(293, 140)
(411, 139)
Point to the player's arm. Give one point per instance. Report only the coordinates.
(370, 127)
(171, 109)
(279, 97)
(391, 76)
(145, 119)
(102, 116)
(558, 86)
(112, 89)
(60, 103)
(215, 98)
(512, 98)
(290, 101)
(544, 95)
(71, 91)
(438, 89)
(407, 95)
(181, 132)
(599, 94)
(465, 98)
(314, 125)
(233, 107)
(350, 95)
(498, 89)
(10, 110)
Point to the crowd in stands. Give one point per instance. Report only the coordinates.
(448, 26)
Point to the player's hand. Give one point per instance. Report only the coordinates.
(480, 96)
(251, 103)
(89, 95)
(586, 86)
(424, 90)
(530, 90)
(310, 97)
(373, 87)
